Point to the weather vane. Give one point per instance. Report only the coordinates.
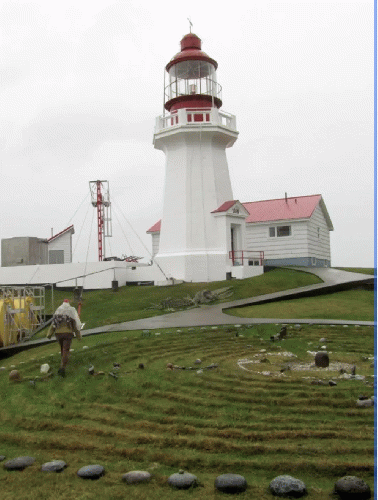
(190, 25)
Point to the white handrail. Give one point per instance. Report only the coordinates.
(194, 116)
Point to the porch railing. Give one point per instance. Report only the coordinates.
(244, 257)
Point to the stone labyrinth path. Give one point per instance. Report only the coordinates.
(347, 488)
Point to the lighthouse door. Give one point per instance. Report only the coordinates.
(234, 244)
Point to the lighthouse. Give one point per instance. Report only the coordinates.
(195, 240)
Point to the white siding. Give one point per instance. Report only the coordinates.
(319, 246)
(155, 243)
(296, 245)
(63, 242)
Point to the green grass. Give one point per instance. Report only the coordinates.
(357, 305)
(223, 420)
(362, 270)
(104, 307)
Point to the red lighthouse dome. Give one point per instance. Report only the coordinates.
(192, 78)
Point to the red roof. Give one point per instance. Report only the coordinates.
(299, 207)
(226, 206)
(155, 228)
(190, 50)
(70, 228)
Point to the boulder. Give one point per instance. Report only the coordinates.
(19, 463)
(136, 476)
(231, 483)
(182, 480)
(45, 368)
(15, 376)
(287, 486)
(352, 488)
(321, 359)
(364, 403)
(91, 471)
(54, 466)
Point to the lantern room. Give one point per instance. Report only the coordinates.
(192, 78)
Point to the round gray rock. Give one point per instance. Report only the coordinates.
(182, 480)
(287, 486)
(321, 359)
(136, 476)
(352, 488)
(19, 463)
(2, 457)
(91, 471)
(231, 483)
(54, 466)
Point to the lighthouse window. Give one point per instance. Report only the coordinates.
(272, 232)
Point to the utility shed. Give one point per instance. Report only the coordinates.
(60, 247)
(23, 251)
(290, 231)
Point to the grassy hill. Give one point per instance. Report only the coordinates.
(104, 307)
(245, 418)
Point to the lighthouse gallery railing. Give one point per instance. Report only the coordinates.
(195, 116)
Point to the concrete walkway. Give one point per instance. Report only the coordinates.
(333, 280)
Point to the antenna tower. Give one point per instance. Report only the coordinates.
(100, 198)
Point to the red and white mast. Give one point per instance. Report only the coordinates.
(100, 199)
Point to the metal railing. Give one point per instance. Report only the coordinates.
(194, 116)
(244, 257)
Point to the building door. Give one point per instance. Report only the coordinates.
(235, 230)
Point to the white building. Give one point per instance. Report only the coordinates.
(194, 134)
(284, 232)
(290, 231)
(60, 247)
(204, 234)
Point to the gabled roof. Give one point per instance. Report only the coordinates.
(237, 209)
(155, 228)
(299, 207)
(58, 235)
(225, 206)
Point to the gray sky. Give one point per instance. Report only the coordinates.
(81, 84)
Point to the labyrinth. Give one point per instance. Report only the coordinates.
(205, 414)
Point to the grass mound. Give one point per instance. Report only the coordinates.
(353, 305)
(225, 419)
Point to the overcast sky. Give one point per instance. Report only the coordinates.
(81, 83)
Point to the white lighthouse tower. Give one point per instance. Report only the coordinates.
(193, 133)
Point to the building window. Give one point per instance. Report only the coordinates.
(56, 257)
(272, 232)
(283, 231)
(318, 232)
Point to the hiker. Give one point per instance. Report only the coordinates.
(65, 323)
